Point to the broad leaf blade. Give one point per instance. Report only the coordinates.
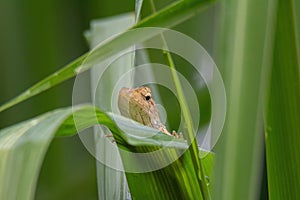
(168, 17)
(23, 146)
(282, 130)
(176, 181)
(111, 182)
(244, 52)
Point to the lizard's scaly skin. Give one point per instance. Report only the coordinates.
(138, 105)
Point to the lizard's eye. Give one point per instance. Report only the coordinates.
(148, 97)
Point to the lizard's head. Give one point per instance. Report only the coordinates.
(144, 93)
(141, 95)
(138, 105)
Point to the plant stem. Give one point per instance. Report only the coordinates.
(186, 114)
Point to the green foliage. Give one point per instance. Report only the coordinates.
(243, 54)
(282, 130)
(26, 143)
(23, 147)
(183, 172)
(168, 17)
(258, 56)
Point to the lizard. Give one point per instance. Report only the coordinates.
(138, 104)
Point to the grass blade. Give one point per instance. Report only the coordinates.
(23, 146)
(168, 17)
(283, 109)
(112, 183)
(244, 53)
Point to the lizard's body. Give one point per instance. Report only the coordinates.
(138, 105)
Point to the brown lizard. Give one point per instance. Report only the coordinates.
(139, 105)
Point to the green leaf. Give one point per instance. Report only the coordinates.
(62, 122)
(282, 130)
(244, 52)
(167, 17)
(197, 165)
(23, 147)
(176, 181)
(179, 180)
(112, 184)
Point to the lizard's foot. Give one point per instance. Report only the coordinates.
(110, 136)
(177, 135)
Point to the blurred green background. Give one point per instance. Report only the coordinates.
(37, 38)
